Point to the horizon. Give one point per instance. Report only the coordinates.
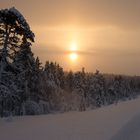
(90, 34)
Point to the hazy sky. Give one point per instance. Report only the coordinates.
(106, 32)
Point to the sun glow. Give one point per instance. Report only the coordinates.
(73, 56)
(73, 46)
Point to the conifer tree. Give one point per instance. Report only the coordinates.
(15, 39)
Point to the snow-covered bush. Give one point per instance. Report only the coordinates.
(44, 107)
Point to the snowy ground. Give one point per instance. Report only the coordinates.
(116, 122)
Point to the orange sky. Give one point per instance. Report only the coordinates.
(106, 32)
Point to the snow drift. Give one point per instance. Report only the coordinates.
(115, 122)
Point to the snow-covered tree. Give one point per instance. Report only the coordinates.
(69, 79)
(80, 87)
(15, 39)
(14, 31)
(54, 72)
(28, 72)
(97, 89)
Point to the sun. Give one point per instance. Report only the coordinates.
(73, 56)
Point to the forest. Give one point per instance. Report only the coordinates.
(29, 88)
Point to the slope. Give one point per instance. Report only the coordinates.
(99, 124)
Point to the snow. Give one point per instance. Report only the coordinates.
(115, 122)
(130, 131)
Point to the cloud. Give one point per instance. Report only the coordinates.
(110, 52)
(53, 51)
(122, 13)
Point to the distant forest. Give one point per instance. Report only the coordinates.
(28, 88)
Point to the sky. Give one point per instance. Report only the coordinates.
(95, 34)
